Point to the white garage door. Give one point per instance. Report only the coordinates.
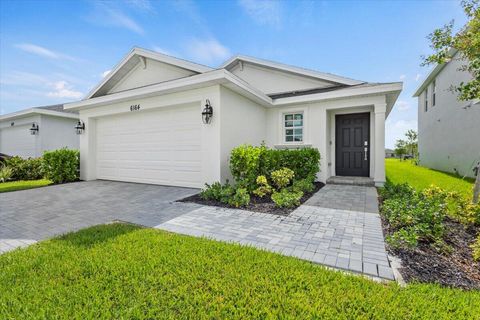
(17, 141)
(159, 147)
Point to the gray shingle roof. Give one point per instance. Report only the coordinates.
(56, 107)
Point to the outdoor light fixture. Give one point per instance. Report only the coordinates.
(34, 129)
(207, 112)
(80, 127)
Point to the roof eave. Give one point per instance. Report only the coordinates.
(33, 111)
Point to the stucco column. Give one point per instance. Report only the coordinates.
(379, 157)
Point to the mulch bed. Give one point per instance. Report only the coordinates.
(454, 269)
(263, 205)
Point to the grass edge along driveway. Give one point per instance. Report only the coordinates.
(23, 185)
(421, 177)
(123, 271)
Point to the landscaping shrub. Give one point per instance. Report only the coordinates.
(5, 173)
(240, 198)
(217, 191)
(61, 165)
(462, 209)
(304, 185)
(25, 169)
(414, 216)
(282, 177)
(263, 188)
(476, 249)
(287, 198)
(248, 162)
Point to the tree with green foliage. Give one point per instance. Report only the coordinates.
(466, 42)
(400, 148)
(412, 142)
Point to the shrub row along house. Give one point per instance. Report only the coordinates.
(31, 132)
(163, 120)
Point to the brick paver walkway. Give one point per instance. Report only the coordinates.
(344, 239)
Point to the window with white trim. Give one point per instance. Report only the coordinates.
(434, 91)
(293, 127)
(426, 99)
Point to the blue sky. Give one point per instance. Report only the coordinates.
(56, 51)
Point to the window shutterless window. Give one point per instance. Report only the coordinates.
(426, 99)
(434, 90)
(293, 127)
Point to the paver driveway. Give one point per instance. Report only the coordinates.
(42, 213)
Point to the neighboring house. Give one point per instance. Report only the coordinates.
(448, 129)
(389, 153)
(143, 122)
(30, 132)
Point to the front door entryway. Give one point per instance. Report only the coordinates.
(352, 144)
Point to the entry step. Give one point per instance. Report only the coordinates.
(353, 181)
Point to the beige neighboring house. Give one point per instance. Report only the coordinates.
(163, 120)
(448, 129)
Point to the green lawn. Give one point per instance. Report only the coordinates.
(420, 177)
(122, 271)
(22, 185)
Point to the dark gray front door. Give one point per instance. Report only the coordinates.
(352, 144)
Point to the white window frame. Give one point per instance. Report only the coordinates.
(284, 128)
(425, 107)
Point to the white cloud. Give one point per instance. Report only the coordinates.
(144, 5)
(264, 12)
(208, 51)
(403, 77)
(161, 50)
(42, 51)
(63, 90)
(395, 130)
(402, 105)
(418, 76)
(108, 14)
(105, 73)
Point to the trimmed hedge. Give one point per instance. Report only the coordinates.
(248, 162)
(61, 165)
(25, 169)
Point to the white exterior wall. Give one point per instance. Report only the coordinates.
(319, 131)
(54, 133)
(273, 81)
(153, 72)
(241, 121)
(449, 132)
(210, 133)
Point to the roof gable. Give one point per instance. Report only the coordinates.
(157, 67)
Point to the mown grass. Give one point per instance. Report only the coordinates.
(421, 178)
(122, 271)
(23, 185)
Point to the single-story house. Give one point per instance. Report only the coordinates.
(389, 153)
(31, 132)
(163, 120)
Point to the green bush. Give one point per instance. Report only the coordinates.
(462, 209)
(415, 216)
(217, 191)
(476, 249)
(61, 165)
(248, 162)
(240, 198)
(287, 198)
(25, 169)
(304, 185)
(282, 177)
(263, 188)
(5, 174)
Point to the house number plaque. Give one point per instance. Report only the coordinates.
(134, 107)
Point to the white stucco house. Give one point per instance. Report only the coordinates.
(448, 129)
(143, 122)
(31, 132)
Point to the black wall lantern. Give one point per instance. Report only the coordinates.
(34, 129)
(80, 127)
(207, 112)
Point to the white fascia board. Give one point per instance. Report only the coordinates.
(32, 111)
(342, 93)
(292, 69)
(151, 55)
(433, 73)
(220, 76)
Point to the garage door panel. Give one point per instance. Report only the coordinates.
(160, 147)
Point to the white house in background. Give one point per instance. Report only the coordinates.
(448, 129)
(30, 132)
(143, 122)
